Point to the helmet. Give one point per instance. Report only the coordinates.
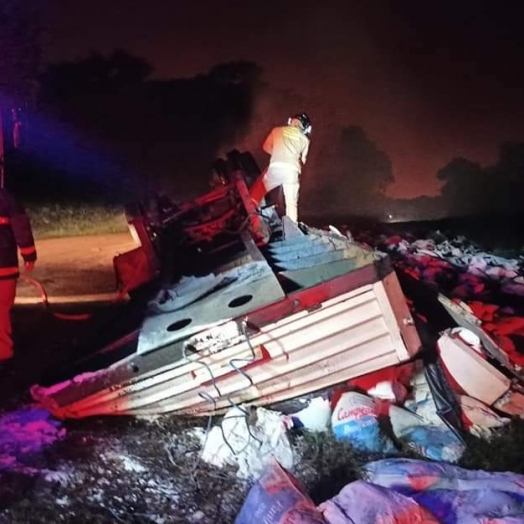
(305, 122)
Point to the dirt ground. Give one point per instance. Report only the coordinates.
(75, 266)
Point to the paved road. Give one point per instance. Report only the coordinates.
(72, 268)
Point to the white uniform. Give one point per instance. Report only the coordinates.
(288, 148)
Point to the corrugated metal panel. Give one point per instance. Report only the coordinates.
(344, 337)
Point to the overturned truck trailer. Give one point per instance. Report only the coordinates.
(260, 310)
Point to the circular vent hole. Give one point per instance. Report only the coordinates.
(179, 324)
(240, 301)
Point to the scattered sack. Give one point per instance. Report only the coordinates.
(409, 476)
(434, 442)
(474, 267)
(248, 443)
(355, 419)
(478, 418)
(24, 433)
(476, 506)
(314, 417)
(402, 419)
(364, 503)
(389, 390)
(276, 498)
(422, 403)
(453, 494)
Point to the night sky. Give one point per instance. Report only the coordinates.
(427, 80)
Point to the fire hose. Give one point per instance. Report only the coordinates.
(119, 297)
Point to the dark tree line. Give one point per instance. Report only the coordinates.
(470, 189)
(104, 128)
(354, 174)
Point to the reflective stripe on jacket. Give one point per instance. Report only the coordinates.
(15, 234)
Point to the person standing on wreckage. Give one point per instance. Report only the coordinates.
(288, 146)
(15, 235)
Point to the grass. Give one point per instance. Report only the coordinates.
(75, 219)
(503, 452)
(325, 465)
(88, 482)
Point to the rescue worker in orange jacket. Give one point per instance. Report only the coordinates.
(288, 147)
(15, 234)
